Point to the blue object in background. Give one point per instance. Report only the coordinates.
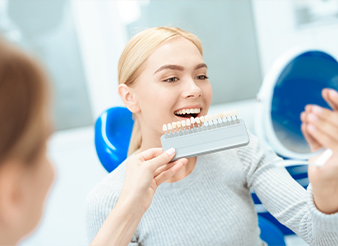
(270, 233)
(300, 83)
(112, 136)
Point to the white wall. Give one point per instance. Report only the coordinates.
(277, 31)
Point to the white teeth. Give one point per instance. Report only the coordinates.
(188, 111)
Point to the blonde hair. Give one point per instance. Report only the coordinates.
(136, 52)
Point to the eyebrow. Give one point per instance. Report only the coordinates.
(180, 68)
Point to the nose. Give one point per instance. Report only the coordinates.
(191, 90)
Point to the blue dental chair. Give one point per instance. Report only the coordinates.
(112, 135)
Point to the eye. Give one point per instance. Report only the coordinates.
(171, 80)
(202, 77)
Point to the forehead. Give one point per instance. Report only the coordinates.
(178, 51)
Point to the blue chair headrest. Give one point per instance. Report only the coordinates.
(112, 136)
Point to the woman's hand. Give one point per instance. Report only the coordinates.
(320, 129)
(145, 172)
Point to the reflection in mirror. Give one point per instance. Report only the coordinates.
(299, 84)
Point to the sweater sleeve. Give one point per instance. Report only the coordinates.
(99, 203)
(284, 198)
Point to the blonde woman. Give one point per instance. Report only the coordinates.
(207, 202)
(26, 174)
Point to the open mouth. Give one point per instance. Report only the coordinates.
(188, 113)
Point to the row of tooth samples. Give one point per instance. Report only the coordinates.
(199, 122)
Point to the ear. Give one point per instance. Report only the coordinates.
(11, 193)
(129, 98)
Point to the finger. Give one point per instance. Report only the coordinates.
(168, 166)
(324, 139)
(303, 117)
(314, 145)
(331, 97)
(324, 125)
(325, 114)
(170, 172)
(164, 168)
(149, 154)
(308, 108)
(162, 159)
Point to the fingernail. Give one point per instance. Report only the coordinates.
(333, 93)
(312, 117)
(170, 151)
(311, 128)
(317, 110)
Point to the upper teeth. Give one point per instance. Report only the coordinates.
(188, 111)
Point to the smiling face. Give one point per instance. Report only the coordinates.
(174, 79)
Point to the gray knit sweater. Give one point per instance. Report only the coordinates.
(213, 206)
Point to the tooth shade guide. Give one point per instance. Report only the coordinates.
(174, 126)
(235, 112)
(165, 129)
(207, 139)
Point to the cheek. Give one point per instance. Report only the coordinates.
(207, 93)
(41, 185)
(157, 105)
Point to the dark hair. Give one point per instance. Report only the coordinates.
(23, 109)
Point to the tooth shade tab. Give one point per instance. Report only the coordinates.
(169, 126)
(225, 114)
(211, 117)
(197, 119)
(183, 123)
(165, 128)
(235, 112)
(221, 115)
(216, 116)
(188, 122)
(192, 120)
(179, 124)
(202, 119)
(174, 125)
(207, 118)
(230, 113)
